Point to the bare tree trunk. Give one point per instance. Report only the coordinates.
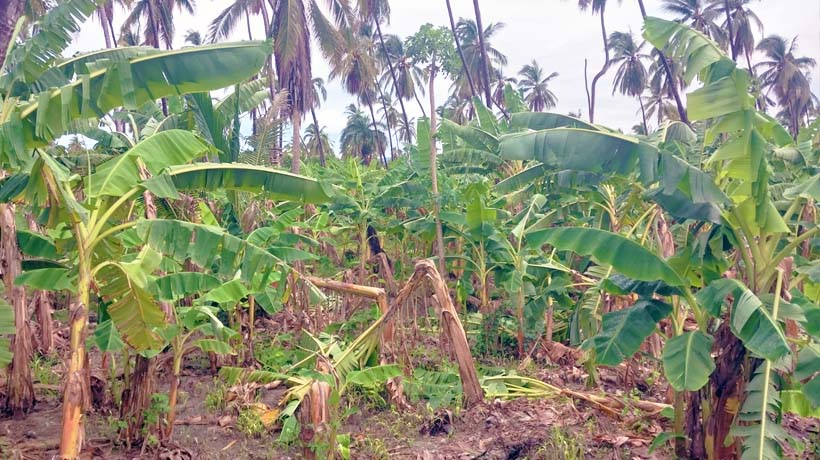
(485, 67)
(20, 388)
(392, 75)
(103, 13)
(434, 172)
(319, 137)
(460, 51)
(10, 12)
(379, 145)
(421, 106)
(643, 116)
(604, 68)
(296, 147)
(730, 28)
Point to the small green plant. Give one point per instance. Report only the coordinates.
(371, 448)
(560, 446)
(43, 371)
(155, 413)
(215, 400)
(249, 423)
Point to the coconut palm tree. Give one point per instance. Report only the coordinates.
(409, 76)
(193, 37)
(226, 21)
(500, 81)
(157, 16)
(786, 75)
(485, 67)
(356, 66)
(465, 70)
(665, 64)
(105, 14)
(534, 85)
(739, 24)
(597, 7)
(631, 76)
(658, 102)
(316, 142)
(699, 15)
(358, 138)
(372, 13)
(468, 36)
(319, 96)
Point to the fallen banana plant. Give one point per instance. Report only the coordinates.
(517, 386)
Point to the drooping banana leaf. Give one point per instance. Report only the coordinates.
(132, 82)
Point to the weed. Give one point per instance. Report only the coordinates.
(155, 412)
(215, 400)
(560, 446)
(370, 448)
(43, 371)
(249, 423)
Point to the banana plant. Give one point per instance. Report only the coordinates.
(732, 209)
(107, 211)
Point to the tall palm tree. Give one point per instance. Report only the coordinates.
(226, 21)
(319, 95)
(465, 70)
(598, 7)
(657, 100)
(409, 76)
(534, 85)
(698, 14)
(740, 22)
(105, 14)
(467, 32)
(671, 75)
(316, 142)
(358, 138)
(485, 67)
(631, 76)
(193, 37)
(373, 12)
(157, 16)
(786, 75)
(499, 82)
(355, 65)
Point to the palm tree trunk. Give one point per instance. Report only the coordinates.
(103, 14)
(421, 106)
(319, 136)
(672, 80)
(19, 388)
(604, 68)
(643, 116)
(248, 23)
(460, 52)
(731, 31)
(392, 75)
(387, 122)
(296, 148)
(376, 133)
(10, 12)
(434, 171)
(485, 67)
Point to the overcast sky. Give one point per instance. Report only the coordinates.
(553, 32)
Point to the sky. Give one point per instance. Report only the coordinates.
(555, 33)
